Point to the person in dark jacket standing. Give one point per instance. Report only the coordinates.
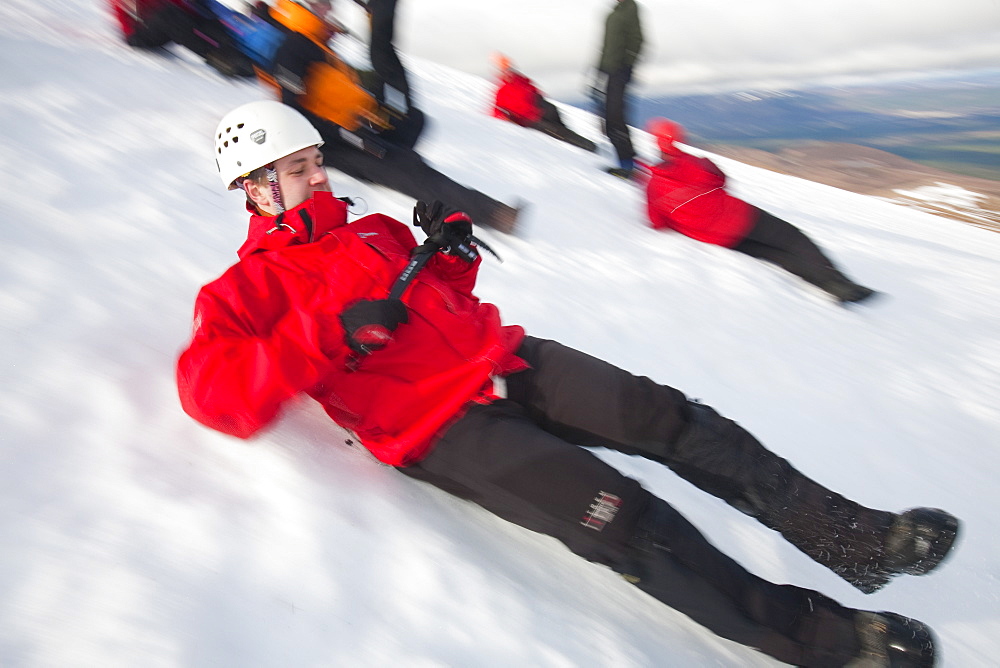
(688, 194)
(619, 51)
(409, 359)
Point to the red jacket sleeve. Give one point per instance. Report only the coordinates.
(459, 274)
(245, 360)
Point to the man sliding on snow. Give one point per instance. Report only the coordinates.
(519, 101)
(408, 360)
(688, 194)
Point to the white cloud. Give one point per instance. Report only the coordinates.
(704, 43)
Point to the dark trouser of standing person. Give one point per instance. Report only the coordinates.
(551, 123)
(520, 459)
(614, 121)
(779, 242)
(395, 88)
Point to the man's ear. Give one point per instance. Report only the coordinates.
(256, 194)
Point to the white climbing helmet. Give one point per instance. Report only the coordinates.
(257, 134)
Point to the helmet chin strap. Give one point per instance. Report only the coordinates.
(272, 179)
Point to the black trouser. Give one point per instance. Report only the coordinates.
(777, 241)
(676, 565)
(204, 36)
(406, 130)
(614, 119)
(551, 123)
(403, 170)
(165, 25)
(519, 458)
(382, 52)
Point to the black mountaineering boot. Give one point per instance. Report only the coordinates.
(847, 292)
(889, 640)
(623, 173)
(917, 541)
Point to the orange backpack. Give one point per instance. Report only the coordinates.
(333, 90)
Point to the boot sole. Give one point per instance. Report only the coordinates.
(939, 544)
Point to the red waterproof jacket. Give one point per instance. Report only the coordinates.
(131, 14)
(688, 194)
(269, 328)
(517, 99)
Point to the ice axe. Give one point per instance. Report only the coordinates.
(443, 241)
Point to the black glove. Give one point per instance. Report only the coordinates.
(369, 323)
(429, 217)
(451, 232)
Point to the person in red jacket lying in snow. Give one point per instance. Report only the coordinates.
(408, 359)
(151, 24)
(688, 194)
(519, 101)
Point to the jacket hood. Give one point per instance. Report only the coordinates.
(318, 215)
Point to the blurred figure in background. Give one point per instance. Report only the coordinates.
(364, 139)
(152, 24)
(393, 87)
(619, 52)
(519, 101)
(688, 194)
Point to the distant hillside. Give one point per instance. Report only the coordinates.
(948, 123)
(870, 171)
(931, 143)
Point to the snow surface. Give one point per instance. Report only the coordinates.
(133, 536)
(950, 200)
(946, 194)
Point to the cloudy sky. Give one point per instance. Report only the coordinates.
(705, 44)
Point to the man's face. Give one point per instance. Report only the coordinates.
(299, 176)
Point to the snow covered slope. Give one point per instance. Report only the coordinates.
(132, 536)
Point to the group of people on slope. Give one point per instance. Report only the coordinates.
(683, 193)
(368, 119)
(518, 99)
(371, 126)
(388, 336)
(153, 24)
